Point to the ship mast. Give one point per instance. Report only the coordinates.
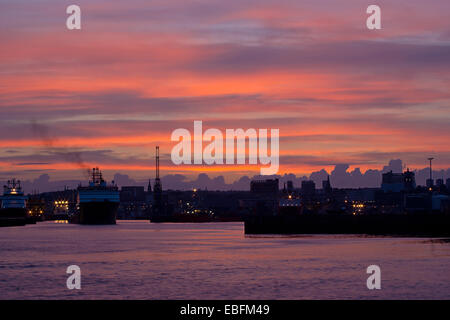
(97, 177)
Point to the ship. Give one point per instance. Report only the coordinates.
(97, 203)
(35, 208)
(13, 211)
(61, 210)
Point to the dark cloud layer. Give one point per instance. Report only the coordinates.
(340, 177)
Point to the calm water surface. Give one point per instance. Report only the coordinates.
(140, 260)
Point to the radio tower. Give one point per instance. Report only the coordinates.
(431, 172)
(430, 181)
(157, 189)
(157, 186)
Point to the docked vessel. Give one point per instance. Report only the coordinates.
(61, 210)
(35, 208)
(98, 202)
(13, 211)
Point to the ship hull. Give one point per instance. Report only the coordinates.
(31, 220)
(98, 213)
(10, 217)
(420, 225)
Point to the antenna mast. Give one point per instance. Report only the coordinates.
(157, 187)
(431, 171)
(157, 162)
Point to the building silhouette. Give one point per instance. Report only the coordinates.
(290, 186)
(326, 186)
(409, 178)
(398, 182)
(265, 187)
(308, 188)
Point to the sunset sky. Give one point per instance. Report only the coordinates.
(106, 95)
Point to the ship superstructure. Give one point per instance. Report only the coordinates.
(98, 202)
(35, 207)
(13, 209)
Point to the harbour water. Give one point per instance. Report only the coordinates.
(140, 260)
